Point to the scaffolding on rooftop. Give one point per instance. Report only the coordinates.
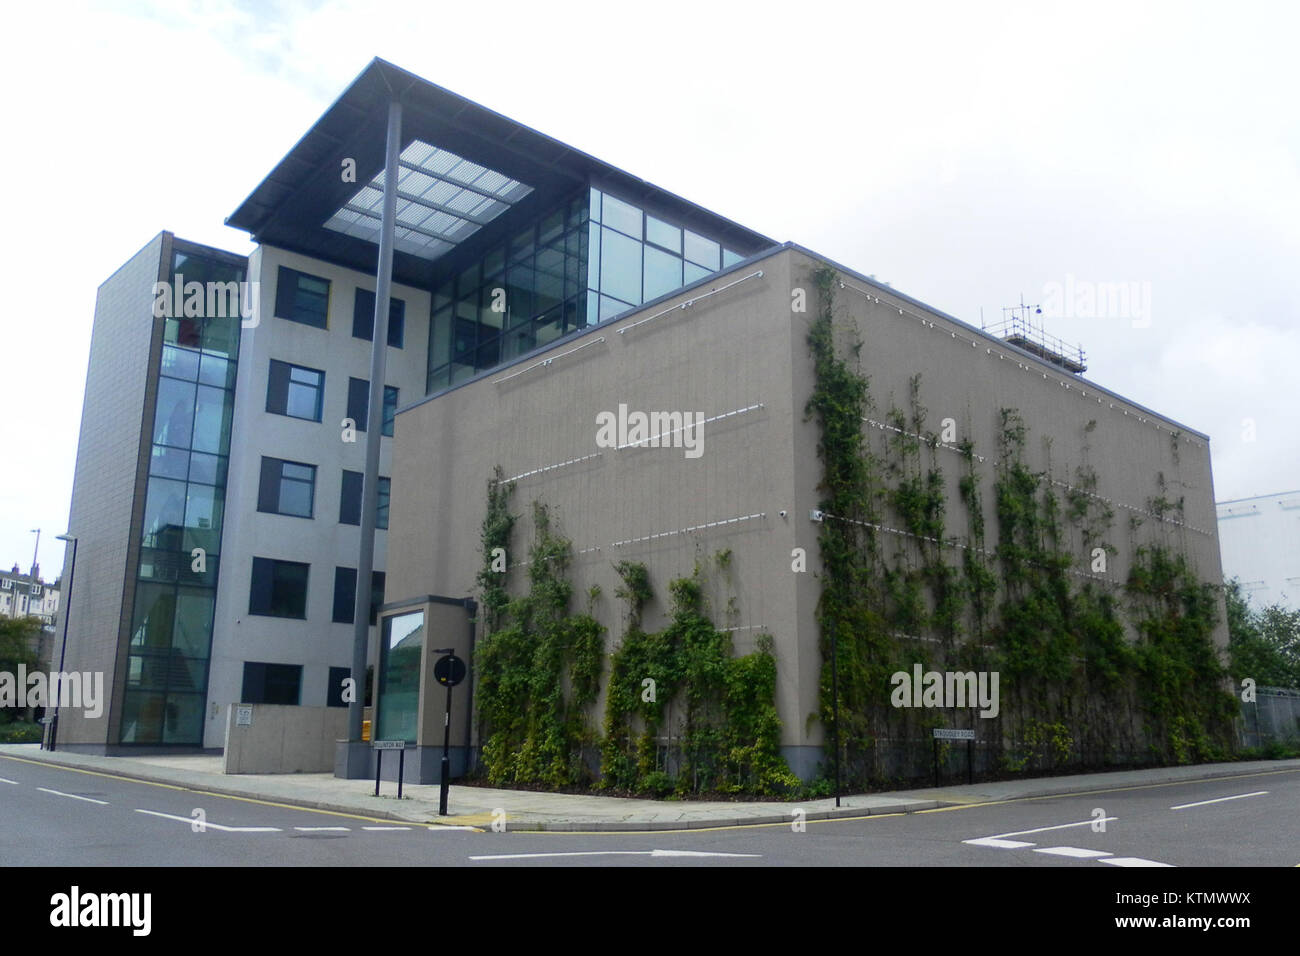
(1019, 328)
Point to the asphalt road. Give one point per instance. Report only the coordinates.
(54, 816)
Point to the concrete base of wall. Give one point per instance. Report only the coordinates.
(283, 739)
(804, 761)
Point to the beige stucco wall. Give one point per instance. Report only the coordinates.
(741, 347)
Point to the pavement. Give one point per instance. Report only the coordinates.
(535, 810)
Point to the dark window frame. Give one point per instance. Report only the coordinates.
(363, 318)
(294, 303)
(345, 595)
(334, 689)
(279, 379)
(270, 489)
(262, 597)
(255, 684)
(358, 408)
(351, 494)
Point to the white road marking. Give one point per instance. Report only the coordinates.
(443, 826)
(535, 856)
(205, 825)
(385, 828)
(1073, 851)
(3, 780)
(318, 829)
(60, 793)
(1062, 826)
(1131, 861)
(1201, 803)
(999, 842)
(995, 842)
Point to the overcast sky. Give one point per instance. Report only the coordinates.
(968, 154)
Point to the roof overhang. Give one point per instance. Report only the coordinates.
(445, 198)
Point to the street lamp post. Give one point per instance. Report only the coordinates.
(63, 651)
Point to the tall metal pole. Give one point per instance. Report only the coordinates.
(444, 782)
(835, 711)
(374, 426)
(63, 652)
(35, 551)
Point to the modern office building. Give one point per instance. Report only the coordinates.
(1260, 540)
(535, 289)
(238, 428)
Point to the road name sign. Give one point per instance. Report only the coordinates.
(389, 744)
(945, 733)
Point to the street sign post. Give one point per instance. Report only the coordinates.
(447, 671)
(380, 746)
(954, 733)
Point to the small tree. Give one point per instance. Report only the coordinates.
(18, 640)
(1263, 645)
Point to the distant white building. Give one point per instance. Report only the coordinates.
(26, 595)
(1260, 543)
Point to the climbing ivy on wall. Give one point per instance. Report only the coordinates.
(540, 669)
(1179, 675)
(1075, 688)
(730, 741)
(855, 641)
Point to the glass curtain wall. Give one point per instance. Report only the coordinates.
(522, 293)
(593, 257)
(171, 624)
(636, 257)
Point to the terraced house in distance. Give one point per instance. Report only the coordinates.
(618, 420)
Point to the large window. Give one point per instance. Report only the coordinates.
(295, 390)
(278, 588)
(359, 405)
(300, 297)
(287, 488)
(345, 594)
(363, 318)
(271, 683)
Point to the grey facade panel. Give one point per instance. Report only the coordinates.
(106, 485)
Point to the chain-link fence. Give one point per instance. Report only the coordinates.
(1272, 717)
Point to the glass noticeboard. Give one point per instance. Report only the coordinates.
(399, 676)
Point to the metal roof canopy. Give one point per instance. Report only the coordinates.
(290, 207)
